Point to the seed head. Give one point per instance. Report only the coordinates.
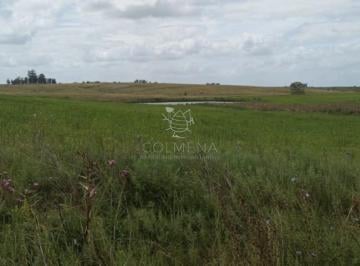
(111, 163)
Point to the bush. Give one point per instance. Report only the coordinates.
(298, 88)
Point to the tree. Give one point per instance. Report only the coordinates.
(18, 81)
(42, 79)
(140, 81)
(33, 78)
(298, 88)
(8, 82)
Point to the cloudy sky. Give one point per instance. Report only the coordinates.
(260, 42)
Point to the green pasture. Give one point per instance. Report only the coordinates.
(283, 189)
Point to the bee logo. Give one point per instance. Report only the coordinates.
(179, 121)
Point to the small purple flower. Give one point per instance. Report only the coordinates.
(6, 185)
(125, 173)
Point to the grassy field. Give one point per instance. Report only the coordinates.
(129, 92)
(87, 182)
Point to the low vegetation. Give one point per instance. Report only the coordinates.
(340, 108)
(75, 188)
(137, 92)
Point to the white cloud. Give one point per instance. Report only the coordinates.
(230, 41)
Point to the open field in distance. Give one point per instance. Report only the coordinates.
(129, 92)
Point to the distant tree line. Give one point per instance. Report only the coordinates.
(31, 78)
(143, 81)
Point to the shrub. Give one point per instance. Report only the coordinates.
(298, 88)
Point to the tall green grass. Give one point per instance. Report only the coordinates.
(284, 189)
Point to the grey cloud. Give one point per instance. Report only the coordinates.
(326, 30)
(15, 38)
(265, 42)
(257, 47)
(22, 19)
(29, 61)
(6, 61)
(157, 9)
(160, 9)
(166, 50)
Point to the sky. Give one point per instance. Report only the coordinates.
(248, 42)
